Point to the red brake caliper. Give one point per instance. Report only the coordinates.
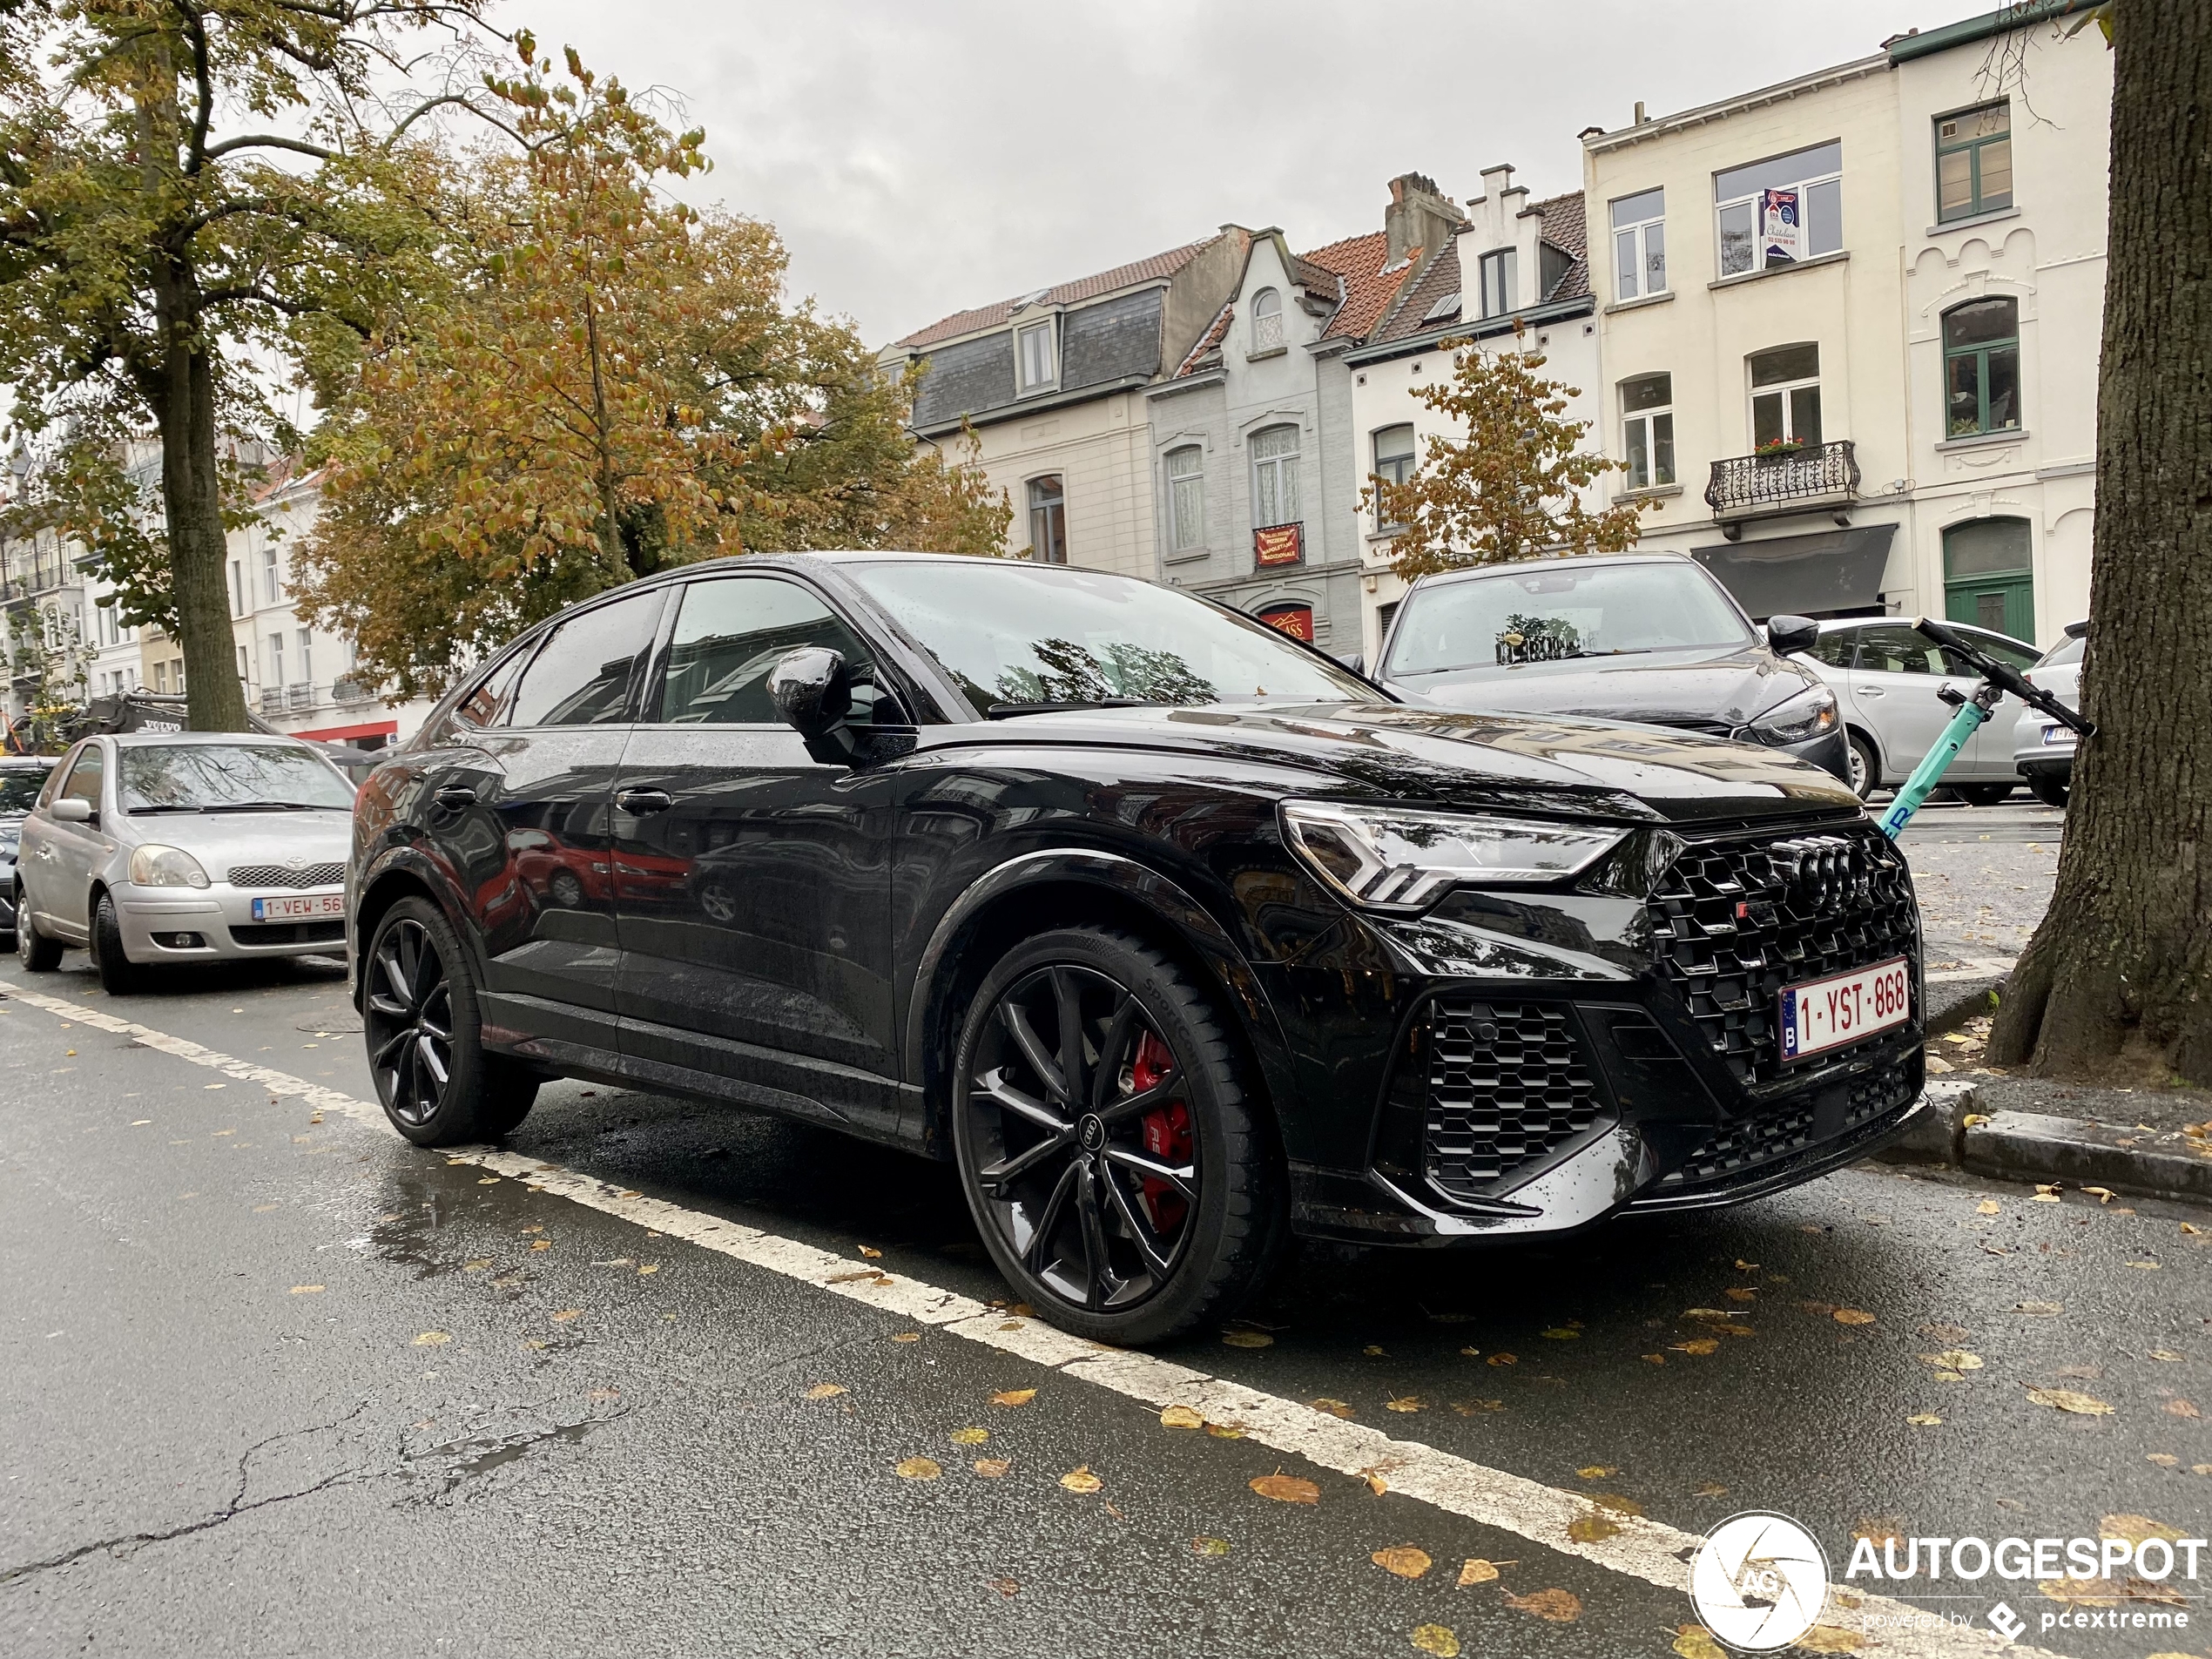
(1167, 1133)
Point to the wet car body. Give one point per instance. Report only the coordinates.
(1506, 1061)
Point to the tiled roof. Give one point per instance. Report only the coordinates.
(1563, 227)
(1566, 227)
(1207, 342)
(1367, 286)
(1439, 277)
(1156, 268)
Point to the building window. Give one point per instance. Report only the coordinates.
(1500, 282)
(241, 666)
(306, 641)
(1186, 497)
(1981, 367)
(276, 659)
(1640, 245)
(1267, 321)
(1274, 476)
(1647, 430)
(1047, 520)
(1779, 212)
(1040, 360)
(238, 587)
(1988, 578)
(1973, 151)
(269, 594)
(1786, 399)
(1394, 465)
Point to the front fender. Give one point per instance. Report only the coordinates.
(406, 863)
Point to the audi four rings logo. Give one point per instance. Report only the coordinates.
(1820, 870)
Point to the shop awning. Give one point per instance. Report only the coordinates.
(1829, 573)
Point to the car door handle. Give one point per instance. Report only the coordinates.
(1869, 691)
(639, 802)
(456, 796)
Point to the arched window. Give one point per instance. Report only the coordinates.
(1981, 367)
(1988, 575)
(1274, 476)
(1267, 321)
(1186, 471)
(1047, 520)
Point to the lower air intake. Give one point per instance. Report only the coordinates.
(1507, 1085)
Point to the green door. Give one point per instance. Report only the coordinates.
(1988, 578)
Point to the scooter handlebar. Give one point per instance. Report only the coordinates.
(2003, 675)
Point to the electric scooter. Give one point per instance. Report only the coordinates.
(1997, 678)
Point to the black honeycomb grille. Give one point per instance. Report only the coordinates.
(1754, 1141)
(1507, 1085)
(1735, 920)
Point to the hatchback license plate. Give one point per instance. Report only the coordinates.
(294, 907)
(1826, 1013)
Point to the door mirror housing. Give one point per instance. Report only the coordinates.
(813, 692)
(1357, 664)
(73, 810)
(1787, 634)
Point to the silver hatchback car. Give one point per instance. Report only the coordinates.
(180, 848)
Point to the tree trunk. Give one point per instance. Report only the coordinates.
(2117, 982)
(192, 495)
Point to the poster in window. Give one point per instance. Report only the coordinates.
(1296, 621)
(1278, 544)
(1781, 227)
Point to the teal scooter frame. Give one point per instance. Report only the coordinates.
(1997, 678)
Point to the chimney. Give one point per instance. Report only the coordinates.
(1420, 216)
(1640, 116)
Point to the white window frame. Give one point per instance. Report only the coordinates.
(306, 656)
(1500, 282)
(1275, 477)
(1647, 420)
(271, 592)
(1388, 467)
(1267, 321)
(1637, 243)
(1186, 489)
(1048, 329)
(1036, 508)
(1803, 186)
(1784, 390)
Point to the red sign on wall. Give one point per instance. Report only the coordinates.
(1294, 620)
(1278, 544)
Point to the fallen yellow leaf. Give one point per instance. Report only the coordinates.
(1014, 1397)
(1989, 1207)
(824, 1391)
(2168, 1355)
(1925, 1420)
(1696, 1641)
(1373, 1351)
(871, 1252)
(1180, 1417)
(1286, 1488)
(1592, 1527)
(1952, 1359)
(1471, 1353)
(2066, 1399)
(1654, 1358)
(433, 1339)
(970, 1436)
(2103, 1195)
(1852, 1315)
(991, 1468)
(2039, 1310)
(1828, 1638)
(540, 1244)
(306, 1290)
(564, 1315)
(1436, 1639)
(1404, 1560)
(1596, 1472)
(1335, 1408)
(906, 1336)
(1006, 1586)
(1080, 1479)
(1562, 1334)
(1209, 1546)
(1698, 1344)
(1477, 1571)
(1376, 1484)
(1406, 1403)
(1226, 1431)
(1555, 1607)
(1712, 1489)
(1503, 1359)
(917, 1468)
(1618, 1504)
(2136, 1529)
(650, 1267)
(1248, 1339)
(1741, 1293)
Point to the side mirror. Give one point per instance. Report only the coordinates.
(1787, 634)
(1356, 663)
(71, 810)
(2077, 630)
(814, 693)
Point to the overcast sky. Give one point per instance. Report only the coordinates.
(923, 156)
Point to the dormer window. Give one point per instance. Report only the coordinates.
(1039, 354)
(1267, 321)
(1500, 282)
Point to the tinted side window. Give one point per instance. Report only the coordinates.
(488, 704)
(730, 633)
(582, 675)
(1835, 649)
(85, 777)
(1894, 650)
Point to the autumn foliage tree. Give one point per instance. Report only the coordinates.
(1510, 486)
(609, 381)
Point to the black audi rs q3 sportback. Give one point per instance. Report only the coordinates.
(1171, 933)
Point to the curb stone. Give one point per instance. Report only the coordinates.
(2031, 1146)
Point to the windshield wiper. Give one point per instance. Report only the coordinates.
(271, 807)
(164, 806)
(1003, 710)
(1624, 651)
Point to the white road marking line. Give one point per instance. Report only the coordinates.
(1642, 1548)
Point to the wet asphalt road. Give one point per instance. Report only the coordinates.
(234, 1426)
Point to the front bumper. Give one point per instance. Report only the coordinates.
(1557, 1059)
(219, 923)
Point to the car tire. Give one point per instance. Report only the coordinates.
(2049, 791)
(119, 975)
(1984, 794)
(1116, 1223)
(424, 1034)
(37, 953)
(1865, 767)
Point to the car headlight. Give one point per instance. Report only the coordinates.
(1808, 714)
(155, 866)
(1385, 858)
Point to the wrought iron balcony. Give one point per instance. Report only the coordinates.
(296, 698)
(1819, 478)
(346, 689)
(273, 699)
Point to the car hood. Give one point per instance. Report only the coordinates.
(222, 840)
(1726, 686)
(1403, 751)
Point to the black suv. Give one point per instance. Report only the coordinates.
(1169, 931)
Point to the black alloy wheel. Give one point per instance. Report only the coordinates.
(419, 1016)
(1105, 1142)
(2049, 790)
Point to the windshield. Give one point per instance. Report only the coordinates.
(2067, 651)
(226, 777)
(1021, 634)
(19, 787)
(1565, 610)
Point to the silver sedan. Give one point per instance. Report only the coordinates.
(178, 847)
